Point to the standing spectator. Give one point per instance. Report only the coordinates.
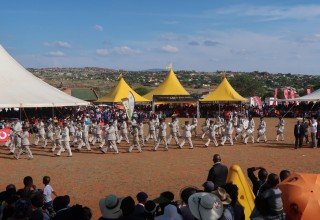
(318, 132)
(47, 191)
(257, 182)
(306, 130)
(314, 127)
(298, 134)
(218, 173)
(284, 174)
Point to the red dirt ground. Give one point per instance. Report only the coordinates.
(89, 176)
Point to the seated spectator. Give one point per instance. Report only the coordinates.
(140, 209)
(8, 205)
(205, 206)
(60, 207)
(110, 207)
(163, 200)
(128, 206)
(232, 190)
(284, 174)
(28, 188)
(257, 182)
(228, 211)
(269, 202)
(150, 207)
(22, 210)
(38, 213)
(170, 213)
(208, 186)
(185, 210)
(77, 212)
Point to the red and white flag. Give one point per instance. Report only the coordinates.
(275, 97)
(4, 134)
(308, 91)
(285, 94)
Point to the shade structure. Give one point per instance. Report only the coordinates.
(170, 86)
(301, 196)
(120, 92)
(315, 96)
(20, 88)
(224, 93)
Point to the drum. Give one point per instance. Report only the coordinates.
(238, 130)
(249, 132)
(261, 132)
(204, 129)
(280, 130)
(245, 123)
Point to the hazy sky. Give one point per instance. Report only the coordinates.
(207, 35)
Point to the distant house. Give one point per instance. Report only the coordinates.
(89, 95)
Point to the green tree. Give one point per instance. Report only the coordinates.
(142, 90)
(247, 86)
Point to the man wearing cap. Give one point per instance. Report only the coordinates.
(24, 144)
(262, 130)
(218, 173)
(65, 138)
(162, 135)
(84, 137)
(56, 136)
(208, 186)
(140, 132)
(49, 134)
(123, 132)
(163, 200)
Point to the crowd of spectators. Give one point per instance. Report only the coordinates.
(218, 199)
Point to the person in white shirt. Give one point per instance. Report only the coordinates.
(194, 123)
(65, 138)
(41, 134)
(212, 134)
(280, 130)
(47, 192)
(227, 134)
(173, 131)
(162, 135)
(24, 144)
(249, 131)
(262, 130)
(313, 126)
(186, 135)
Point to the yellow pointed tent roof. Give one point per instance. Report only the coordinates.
(224, 92)
(121, 91)
(170, 86)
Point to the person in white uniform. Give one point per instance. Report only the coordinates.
(123, 132)
(24, 135)
(194, 123)
(280, 130)
(173, 131)
(212, 134)
(110, 139)
(65, 138)
(227, 134)
(162, 135)
(41, 133)
(262, 130)
(135, 139)
(186, 135)
(249, 131)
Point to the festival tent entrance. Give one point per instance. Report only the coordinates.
(21, 89)
(224, 93)
(120, 92)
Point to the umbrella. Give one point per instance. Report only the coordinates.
(301, 196)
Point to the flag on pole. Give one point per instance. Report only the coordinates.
(285, 93)
(275, 97)
(169, 67)
(131, 104)
(308, 91)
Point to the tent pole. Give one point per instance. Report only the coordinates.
(153, 107)
(52, 113)
(198, 109)
(20, 113)
(219, 109)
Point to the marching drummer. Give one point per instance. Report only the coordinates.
(205, 127)
(249, 131)
(238, 124)
(227, 134)
(262, 130)
(280, 130)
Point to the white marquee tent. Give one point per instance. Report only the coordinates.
(315, 96)
(20, 88)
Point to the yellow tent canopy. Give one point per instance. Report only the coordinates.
(224, 93)
(121, 91)
(170, 86)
